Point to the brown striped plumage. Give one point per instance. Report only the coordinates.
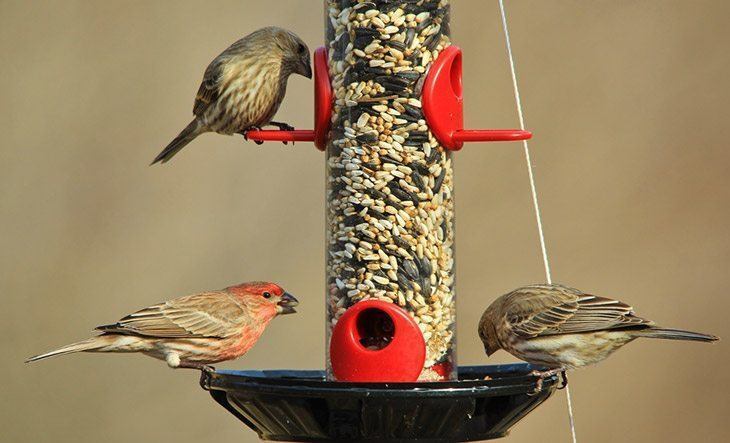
(243, 87)
(193, 331)
(563, 328)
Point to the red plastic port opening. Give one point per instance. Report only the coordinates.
(443, 106)
(375, 329)
(376, 341)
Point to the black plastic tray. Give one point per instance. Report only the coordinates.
(302, 406)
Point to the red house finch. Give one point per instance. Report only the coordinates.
(563, 328)
(243, 87)
(193, 331)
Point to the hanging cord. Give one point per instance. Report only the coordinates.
(538, 218)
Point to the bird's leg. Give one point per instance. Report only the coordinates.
(283, 127)
(548, 373)
(244, 133)
(200, 366)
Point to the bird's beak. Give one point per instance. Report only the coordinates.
(286, 304)
(306, 68)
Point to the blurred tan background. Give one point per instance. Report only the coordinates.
(628, 102)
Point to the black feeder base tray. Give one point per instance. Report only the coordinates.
(303, 406)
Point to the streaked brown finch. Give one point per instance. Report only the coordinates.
(562, 328)
(243, 87)
(193, 331)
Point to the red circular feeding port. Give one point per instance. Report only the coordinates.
(442, 97)
(322, 98)
(443, 106)
(376, 341)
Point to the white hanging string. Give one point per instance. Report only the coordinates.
(538, 218)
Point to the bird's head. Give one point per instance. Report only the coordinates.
(295, 53)
(264, 295)
(488, 331)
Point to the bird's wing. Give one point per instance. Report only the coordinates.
(570, 312)
(211, 314)
(210, 86)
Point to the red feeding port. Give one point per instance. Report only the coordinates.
(375, 341)
(322, 110)
(443, 106)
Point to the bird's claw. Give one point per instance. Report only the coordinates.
(538, 388)
(281, 126)
(245, 134)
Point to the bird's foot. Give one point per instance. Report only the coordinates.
(542, 375)
(244, 133)
(563, 380)
(283, 127)
(199, 366)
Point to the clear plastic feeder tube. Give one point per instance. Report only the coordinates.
(389, 191)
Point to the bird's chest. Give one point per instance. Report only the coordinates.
(240, 344)
(247, 102)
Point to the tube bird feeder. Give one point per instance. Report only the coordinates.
(389, 115)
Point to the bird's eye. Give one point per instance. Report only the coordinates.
(302, 48)
(267, 294)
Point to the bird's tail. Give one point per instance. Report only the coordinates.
(91, 344)
(675, 334)
(192, 130)
(100, 343)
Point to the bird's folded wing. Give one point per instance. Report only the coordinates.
(211, 314)
(209, 90)
(213, 79)
(574, 314)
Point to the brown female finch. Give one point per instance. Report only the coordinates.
(243, 87)
(193, 331)
(563, 328)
